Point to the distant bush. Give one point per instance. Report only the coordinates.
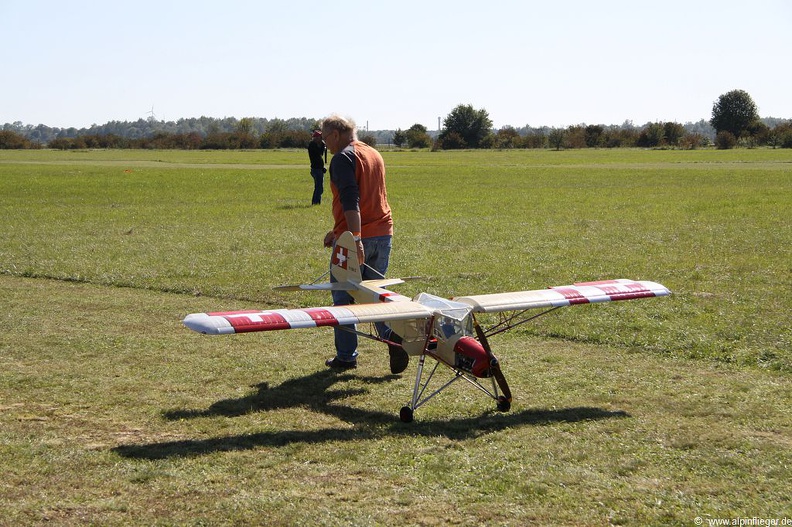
(693, 141)
(575, 137)
(10, 140)
(725, 140)
(217, 141)
(61, 143)
(780, 136)
(452, 141)
(507, 137)
(369, 139)
(284, 139)
(190, 141)
(535, 141)
(105, 141)
(620, 137)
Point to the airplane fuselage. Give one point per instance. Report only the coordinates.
(447, 336)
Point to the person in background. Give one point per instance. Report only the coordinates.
(317, 153)
(360, 205)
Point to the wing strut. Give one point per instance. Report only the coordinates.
(509, 322)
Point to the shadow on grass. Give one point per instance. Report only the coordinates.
(314, 392)
(293, 206)
(311, 391)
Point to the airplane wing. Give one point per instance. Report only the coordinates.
(271, 320)
(579, 293)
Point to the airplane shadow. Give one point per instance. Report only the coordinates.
(315, 393)
(312, 391)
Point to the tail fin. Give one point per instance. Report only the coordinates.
(344, 266)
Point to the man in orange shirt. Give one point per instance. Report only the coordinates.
(360, 205)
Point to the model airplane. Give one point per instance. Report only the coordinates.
(428, 326)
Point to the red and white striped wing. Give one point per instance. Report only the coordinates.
(247, 321)
(580, 293)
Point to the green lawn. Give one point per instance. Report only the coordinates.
(636, 413)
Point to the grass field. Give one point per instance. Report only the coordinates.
(640, 413)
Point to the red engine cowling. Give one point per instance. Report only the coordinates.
(470, 356)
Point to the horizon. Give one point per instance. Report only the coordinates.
(624, 124)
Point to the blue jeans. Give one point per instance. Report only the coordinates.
(318, 176)
(377, 251)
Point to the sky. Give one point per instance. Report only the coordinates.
(391, 65)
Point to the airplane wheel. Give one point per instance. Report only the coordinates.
(406, 414)
(504, 405)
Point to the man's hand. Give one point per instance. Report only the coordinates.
(361, 254)
(329, 239)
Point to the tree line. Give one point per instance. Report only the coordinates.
(735, 122)
(193, 133)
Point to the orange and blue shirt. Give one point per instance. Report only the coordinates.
(357, 180)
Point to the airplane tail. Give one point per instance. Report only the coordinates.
(344, 265)
(347, 275)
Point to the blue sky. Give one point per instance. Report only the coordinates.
(391, 64)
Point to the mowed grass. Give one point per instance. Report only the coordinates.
(646, 412)
(712, 226)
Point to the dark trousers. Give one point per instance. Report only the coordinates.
(318, 176)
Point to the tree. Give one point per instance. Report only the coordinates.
(594, 137)
(556, 138)
(244, 133)
(417, 137)
(399, 138)
(674, 132)
(575, 136)
(245, 126)
(469, 124)
(734, 112)
(507, 137)
(276, 126)
(652, 136)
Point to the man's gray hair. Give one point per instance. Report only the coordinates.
(343, 125)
